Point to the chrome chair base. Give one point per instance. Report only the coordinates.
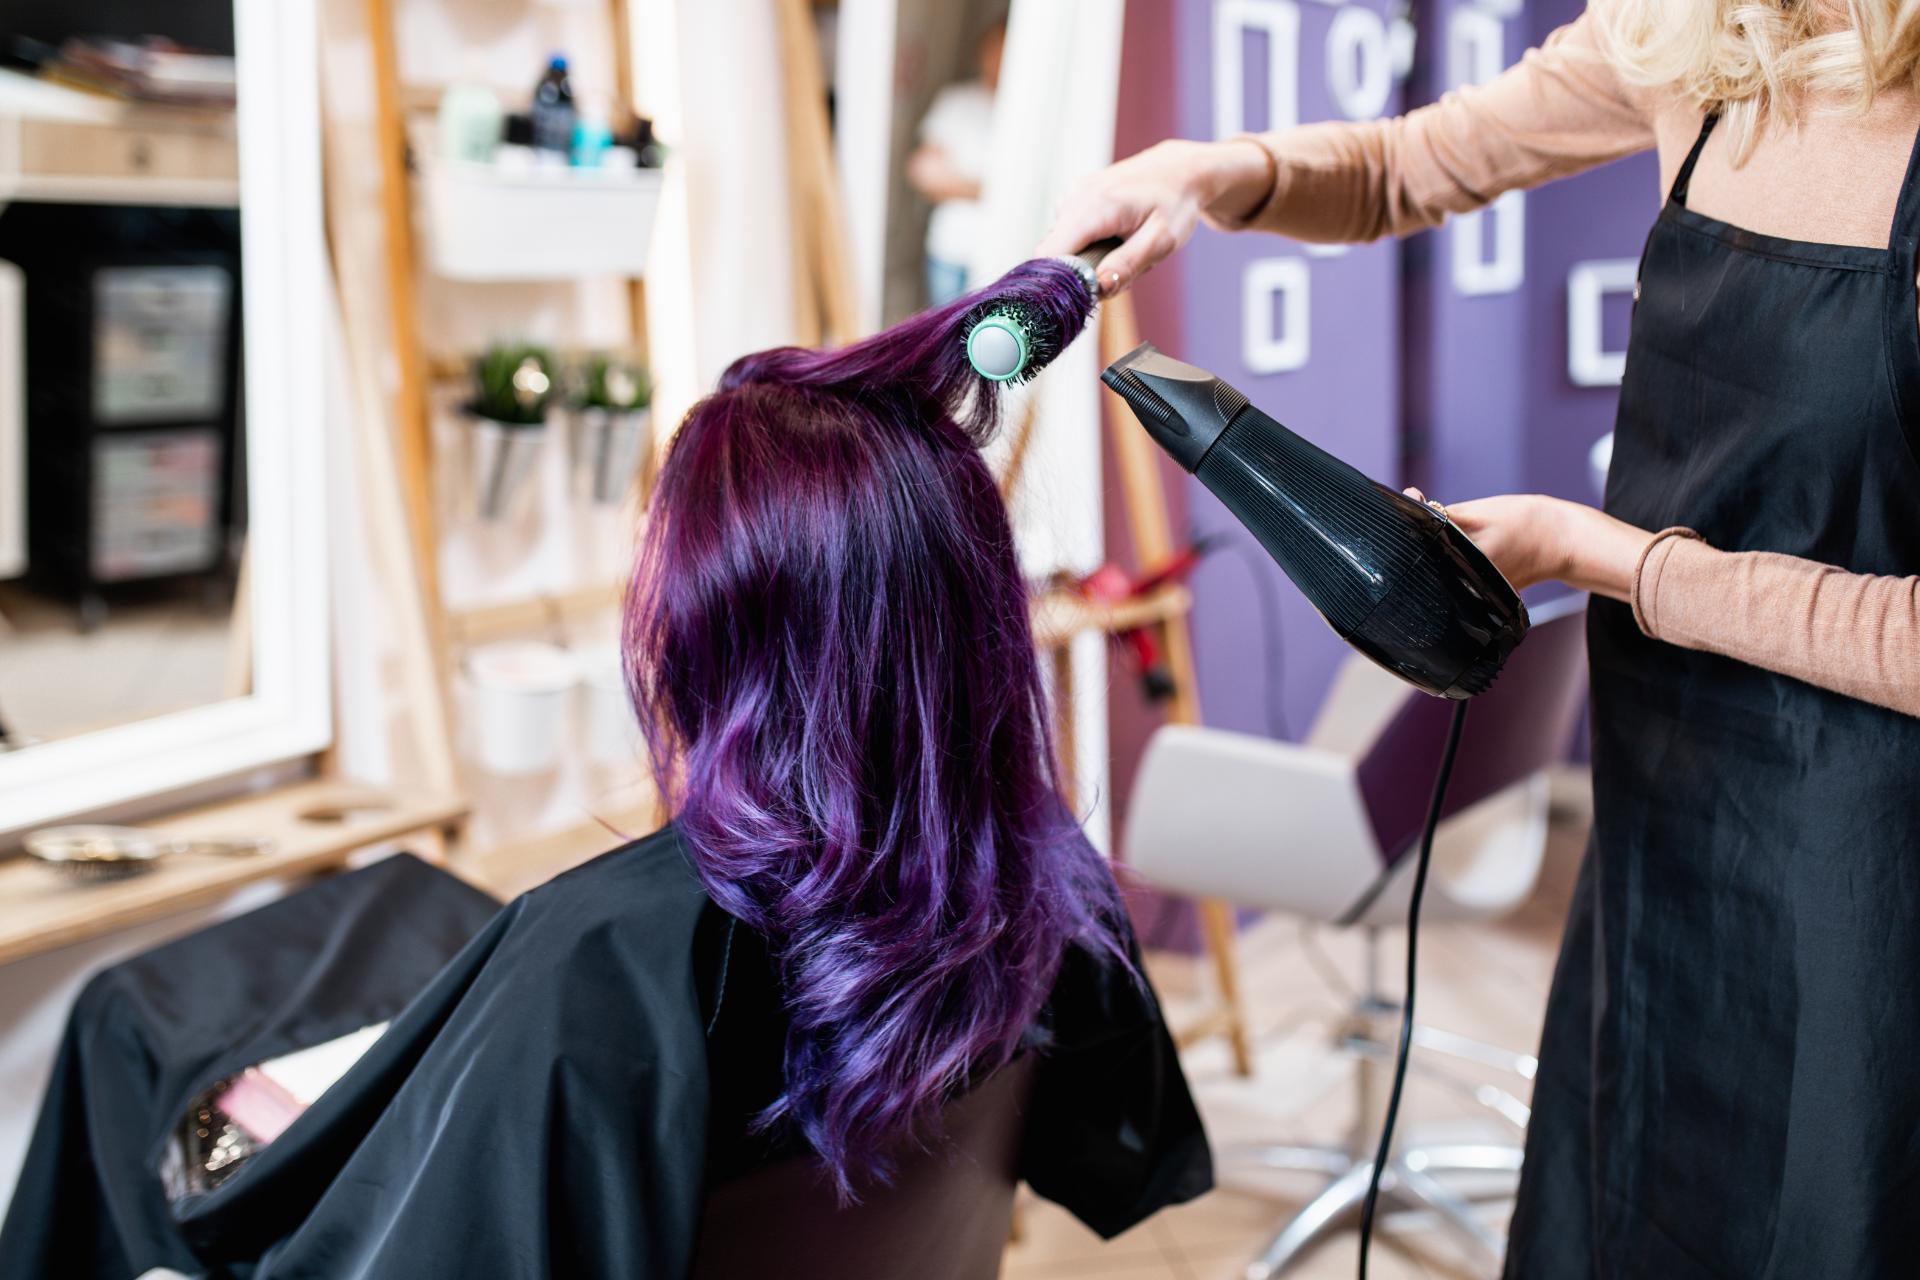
(1444, 1183)
(1412, 1182)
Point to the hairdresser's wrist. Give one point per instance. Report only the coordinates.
(1595, 551)
(1235, 181)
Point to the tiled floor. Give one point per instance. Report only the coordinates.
(1488, 981)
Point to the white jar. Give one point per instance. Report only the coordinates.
(518, 694)
(608, 725)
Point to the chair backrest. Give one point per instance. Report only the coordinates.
(945, 1217)
(1515, 729)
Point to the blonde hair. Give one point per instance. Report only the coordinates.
(1755, 62)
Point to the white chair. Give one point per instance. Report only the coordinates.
(1327, 830)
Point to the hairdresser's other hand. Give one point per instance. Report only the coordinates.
(1153, 201)
(1531, 538)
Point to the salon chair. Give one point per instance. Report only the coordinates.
(945, 1217)
(1325, 830)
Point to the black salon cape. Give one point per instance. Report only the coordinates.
(541, 1106)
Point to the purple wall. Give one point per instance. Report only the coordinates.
(1423, 362)
(1144, 117)
(1489, 401)
(1465, 408)
(1599, 215)
(1344, 396)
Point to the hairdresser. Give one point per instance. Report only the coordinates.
(1727, 1082)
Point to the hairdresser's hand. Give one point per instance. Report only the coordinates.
(1531, 538)
(1154, 200)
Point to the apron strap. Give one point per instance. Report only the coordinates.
(1906, 214)
(1684, 178)
(1903, 303)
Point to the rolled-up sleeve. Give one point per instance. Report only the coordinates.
(1853, 633)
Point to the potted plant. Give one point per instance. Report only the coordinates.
(610, 423)
(512, 389)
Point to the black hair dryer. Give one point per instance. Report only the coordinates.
(1395, 579)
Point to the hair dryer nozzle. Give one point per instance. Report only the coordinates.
(1393, 577)
(1182, 407)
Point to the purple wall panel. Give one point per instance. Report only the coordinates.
(1467, 303)
(1147, 113)
(1424, 361)
(1490, 404)
(1600, 215)
(1344, 394)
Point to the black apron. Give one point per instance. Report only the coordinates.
(1730, 1070)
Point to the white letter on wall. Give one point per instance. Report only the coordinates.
(1475, 270)
(1475, 52)
(1589, 363)
(1475, 43)
(1265, 350)
(1359, 63)
(1280, 21)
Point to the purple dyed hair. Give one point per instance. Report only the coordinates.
(827, 640)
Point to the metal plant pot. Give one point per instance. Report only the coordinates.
(608, 448)
(504, 458)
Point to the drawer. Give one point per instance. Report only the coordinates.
(60, 149)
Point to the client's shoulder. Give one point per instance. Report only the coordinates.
(654, 864)
(610, 942)
(1100, 994)
(644, 893)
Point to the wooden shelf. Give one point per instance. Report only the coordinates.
(314, 826)
(1060, 616)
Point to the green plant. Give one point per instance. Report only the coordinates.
(513, 383)
(614, 382)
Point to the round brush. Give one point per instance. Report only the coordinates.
(1012, 340)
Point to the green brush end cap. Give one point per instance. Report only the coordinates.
(997, 348)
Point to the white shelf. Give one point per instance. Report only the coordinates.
(486, 223)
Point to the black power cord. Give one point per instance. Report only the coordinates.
(1406, 1014)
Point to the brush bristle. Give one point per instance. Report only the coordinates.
(1043, 339)
(1048, 299)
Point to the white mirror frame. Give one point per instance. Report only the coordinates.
(283, 267)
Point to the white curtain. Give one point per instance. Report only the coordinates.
(1053, 122)
(710, 70)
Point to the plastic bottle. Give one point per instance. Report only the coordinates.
(591, 139)
(515, 154)
(553, 113)
(469, 120)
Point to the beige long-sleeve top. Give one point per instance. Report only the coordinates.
(1834, 179)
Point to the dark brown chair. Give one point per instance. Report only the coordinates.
(945, 1217)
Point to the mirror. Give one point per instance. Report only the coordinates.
(989, 110)
(944, 119)
(161, 572)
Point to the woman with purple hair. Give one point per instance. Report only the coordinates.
(870, 901)
(828, 644)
